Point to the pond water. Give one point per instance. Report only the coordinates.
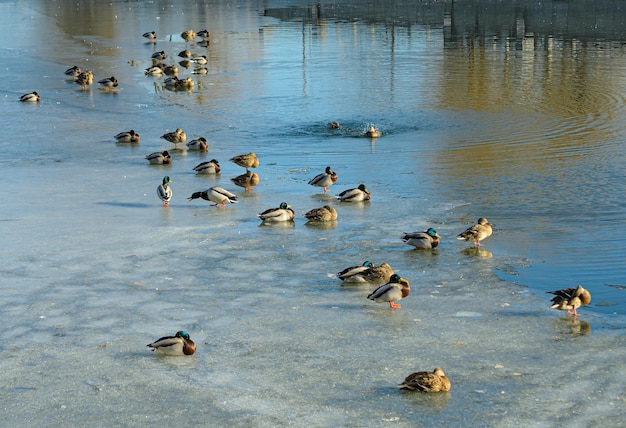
(515, 113)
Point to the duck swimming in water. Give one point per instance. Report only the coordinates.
(33, 97)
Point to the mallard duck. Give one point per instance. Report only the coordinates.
(200, 59)
(151, 35)
(282, 213)
(171, 82)
(198, 144)
(569, 299)
(155, 70)
(349, 272)
(178, 136)
(184, 54)
(84, 79)
(159, 158)
(165, 191)
(127, 137)
(200, 70)
(333, 125)
(210, 167)
(476, 233)
(247, 161)
(159, 56)
(185, 84)
(204, 34)
(325, 213)
(188, 35)
(33, 97)
(355, 195)
(185, 63)
(372, 132)
(397, 288)
(422, 240)
(220, 196)
(178, 345)
(325, 179)
(426, 381)
(170, 70)
(73, 72)
(108, 83)
(247, 180)
(375, 274)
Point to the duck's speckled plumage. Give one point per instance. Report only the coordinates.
(435, 381)
(325, 213)
(397, 288)
(247, 161)
(476, 233)
(178, 136)
(247, 180)
(569, 299)
(177, 345)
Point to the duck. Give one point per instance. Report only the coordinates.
(127, 137)
(210, 167)
(188, 35)
(435, 381)
(200, 70)
(215, 194)
(355, 195)
(282, 213)
(171, 70)
(150, 35)
(372, 132)
(171, 82)
(155, 70)
(247, 180)
(325, 213)
(108, 83)
(422, 240)
(184, 54)
(178, 345)
(33, 97)
(198, 144)
(165, 191)
(375, 274)
(476, 233)
(185, 63)
(185, 84)
(397, 288)
(333, 125)
(159, 56)
(349, 272)
(205, 34)
(569, 299)
(247, 161)
(84, 79)
(73, 72)
(325, 179)
(200, 59)
(159, 158)
(178, 136)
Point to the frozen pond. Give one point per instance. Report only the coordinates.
(507, 119)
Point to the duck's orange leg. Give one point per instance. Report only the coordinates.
(394, 305)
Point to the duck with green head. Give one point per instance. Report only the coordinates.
(397, 288)
(283, 212)
(422, 240)
(165, 191)
(178, 345)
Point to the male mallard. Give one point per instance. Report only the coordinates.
(178, 345)
(210, 167)
(184, 54)
(165, 191)
(188, 35)
(150, 35)
(155, 70)
(198, 144)
(282, 213)
(325, 213)
(247, 180)
(200, 59)
(127, 137)
(159, 56)
(220, 196)
(84, 79)
(73, 72)
(159, 158)
(247, 161)
(333, 125)
(569, 299)
(178, 136)
(108, 83)
(426, 381)
(171, 82)
(355, 195)
(204, 34)
(170, 70)
(397, 288)
(422, 240)
(372, 132)
(349, 272)
(325, 179)
(33, 97)
(477, 232)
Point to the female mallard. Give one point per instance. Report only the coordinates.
(397, 288)
(282, 213)
(154, 71)
(372, 132)
(349, 272)
(178, 136)
(215, 194)
(185, 84)
(165, 191)
(426, 381)
(247, 180)
(184, 54)
(170, 70)
(188, 35)
(84, 79)
(198, 144)
(33, 97)
(422, 240)
(376, 274)
(159, 158)
(150, 35)
(569, 299)
(325, 213)
(200, 59)
(247, 161)
(159, 56)
(210, 167)
(178, 345)
(127, 137)
(325, 179)
(477, 232)
(204, 34)
(108, 83)
(355, 195)
(73, 72)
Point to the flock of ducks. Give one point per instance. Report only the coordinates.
(391, 287)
